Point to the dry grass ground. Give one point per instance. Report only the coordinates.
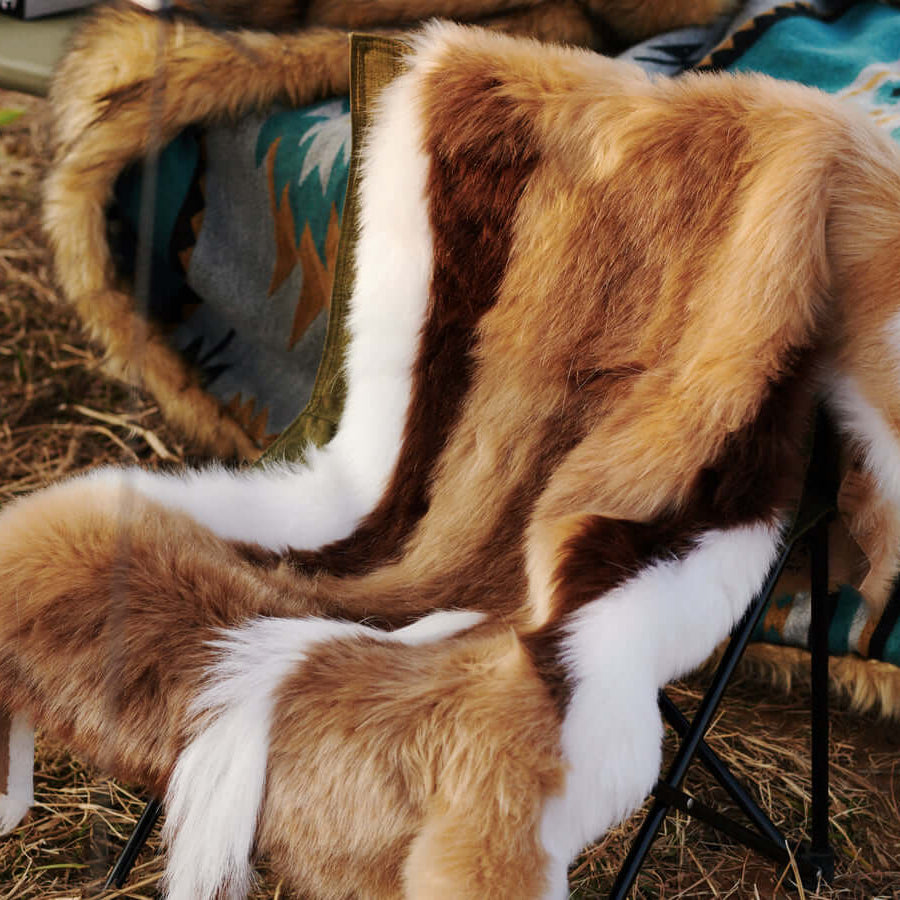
(60, 414)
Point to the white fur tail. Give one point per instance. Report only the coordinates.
(17, 769)
(214, 798)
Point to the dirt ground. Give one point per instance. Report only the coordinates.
(60, 414)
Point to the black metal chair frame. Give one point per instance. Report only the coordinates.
(815, 859)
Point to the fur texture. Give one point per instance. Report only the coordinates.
(229, 747)
(625, 299)
(131, 82)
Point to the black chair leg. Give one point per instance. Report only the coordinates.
(819, 856)
(138, 838)
(693, 736)
(816, 860)
(723, 775)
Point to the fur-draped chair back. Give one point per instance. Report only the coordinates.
(591, 315)
(131, 82)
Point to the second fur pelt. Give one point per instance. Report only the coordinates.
(132, 81)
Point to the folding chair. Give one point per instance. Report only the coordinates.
(815, 861)
(810, 523)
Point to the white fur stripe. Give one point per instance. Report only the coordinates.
(619, 650)
(868, 427)
(19, 796)
(305, 507)
(214, 796)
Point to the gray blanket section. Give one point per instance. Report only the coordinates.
(231, 268)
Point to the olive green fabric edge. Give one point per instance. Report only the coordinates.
(375, 61)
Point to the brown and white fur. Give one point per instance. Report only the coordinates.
(131, 82)
(592, 312)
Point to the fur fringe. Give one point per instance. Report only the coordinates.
(865, 685)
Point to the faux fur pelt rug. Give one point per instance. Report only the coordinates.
(133, 81)
(426, 664)
(271, 188)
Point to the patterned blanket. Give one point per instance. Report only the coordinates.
(250, 306)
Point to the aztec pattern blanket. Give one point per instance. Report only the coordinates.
(252, 322)
(250, 308)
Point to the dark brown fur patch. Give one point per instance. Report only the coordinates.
(258, 556)
(494, 576)
(758, 474)
(131, 615)
(473, 194)
(116, 100)
(489, 576)
(544, 649)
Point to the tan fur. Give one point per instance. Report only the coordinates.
(456, 725)
(464, 749)
(131, 83)
(76, 586)
(654, 272)
(724, 300)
